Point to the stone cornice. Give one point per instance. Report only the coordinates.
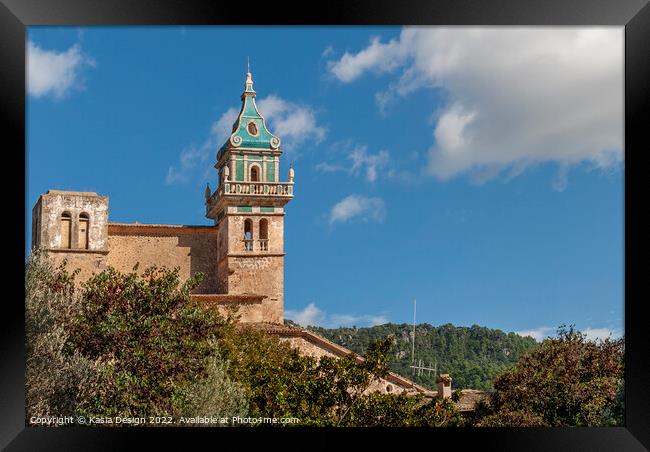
(158, 229)
(75, 251)
(255, 254)
(228, 299)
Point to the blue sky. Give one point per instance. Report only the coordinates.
(479, 171)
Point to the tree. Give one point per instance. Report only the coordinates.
(215, 395)
(330, 391)
(401, 410)
(567, 381)
(123, 345)
(55, 381)
(473, 355)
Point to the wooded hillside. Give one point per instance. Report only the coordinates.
(473, 356)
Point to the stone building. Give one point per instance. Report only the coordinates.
(241, 254)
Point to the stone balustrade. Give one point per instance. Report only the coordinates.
(266, 189)
(261, 245)
(257, 188)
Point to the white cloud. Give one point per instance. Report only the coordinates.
(192, 156)
(539, 334)
(361, 159)
(367, 209)
(362, 162)
(188, 158)
(52, 73)
(311, 315)
(325, 167)
(329, 51)
(222, 128)
(592, 334)
(293, 123)
(516, 97)
(377, 56)
(601, 333)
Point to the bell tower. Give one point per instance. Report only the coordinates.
(248, 210)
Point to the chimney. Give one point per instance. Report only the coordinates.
(444, 386)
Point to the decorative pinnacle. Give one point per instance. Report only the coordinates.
(249, 78)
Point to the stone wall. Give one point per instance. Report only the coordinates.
(88, 262)
(216, 251)
(233, 226)
(192, 248)
(261, 275)
(87, 252)
(257, 271)
(247, 308)
(47, 215)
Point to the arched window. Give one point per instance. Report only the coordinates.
(248, 235)
(84, 223)
(66, 229)
(255, 173)
(264, 234)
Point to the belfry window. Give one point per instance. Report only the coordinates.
(84, 223)
(264, 234)
(66, 229)
(255, 173)
(248, 235)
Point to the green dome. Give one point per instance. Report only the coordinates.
(249, 130)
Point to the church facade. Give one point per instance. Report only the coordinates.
(241, 254)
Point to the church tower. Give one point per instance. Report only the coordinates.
(248, 210)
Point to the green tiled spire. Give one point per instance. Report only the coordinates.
(249, 130)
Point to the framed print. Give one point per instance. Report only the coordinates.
(419, 217)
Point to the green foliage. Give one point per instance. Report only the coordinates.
(473, 356)
(137, 345)
(215, 396)
(329, 392)
(269, 370)
(400, 410)
(567, 381)
(123, 345)
(152, 337)
(55, 381)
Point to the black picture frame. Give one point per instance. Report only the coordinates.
(634, 15)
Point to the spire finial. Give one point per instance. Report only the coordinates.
(249, 78)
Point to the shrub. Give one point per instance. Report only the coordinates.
(55, 380)
(567, 381)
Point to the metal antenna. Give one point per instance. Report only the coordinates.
(417, 369)
(413, 344)
(248, 64)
